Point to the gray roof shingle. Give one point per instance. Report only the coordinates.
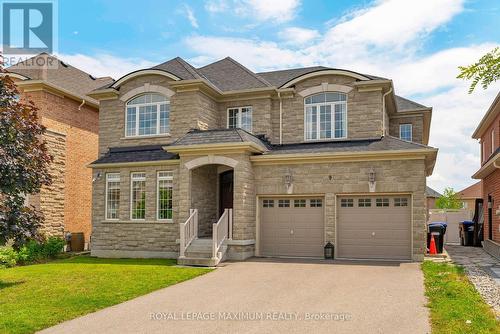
(227, 74)
(179, 67)
(62, 74)
(429, 192)
(363, 145)
(404, 104)
(198, 137)
(135, 154)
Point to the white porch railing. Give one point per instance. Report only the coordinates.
(188, 231)
(221, 231)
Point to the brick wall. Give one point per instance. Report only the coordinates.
(79, 126)
(491, 187)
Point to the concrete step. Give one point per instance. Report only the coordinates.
(198, 254)
(201, 262)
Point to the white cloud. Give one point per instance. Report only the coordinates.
(190, 16)
(259, 10)
(101, 65)
(298, 36)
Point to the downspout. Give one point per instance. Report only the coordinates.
(383, 108)
(281, 118)
(81, 105)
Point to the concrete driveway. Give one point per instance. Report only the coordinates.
(264, 296)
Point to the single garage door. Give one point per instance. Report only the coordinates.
(292, 227)
(374, 227)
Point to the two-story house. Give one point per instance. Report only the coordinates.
(71, 118)
(203, 164)
(488, 133)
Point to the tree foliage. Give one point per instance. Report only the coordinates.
(449, 200)
(485, 71)
(24, 164)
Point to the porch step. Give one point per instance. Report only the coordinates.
(199, 253)
(201, 262)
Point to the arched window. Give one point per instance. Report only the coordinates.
(325, 116)
(147, 115)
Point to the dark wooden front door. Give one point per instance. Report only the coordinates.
(225, 191)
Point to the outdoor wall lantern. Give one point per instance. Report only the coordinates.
(288, 181)
(371, 180)
(329, 251)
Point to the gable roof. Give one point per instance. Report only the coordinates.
(404, 104)
(227, 74)
(59, 73)
(429, 192)
(473, 191)
(234, 135)
(180, 68)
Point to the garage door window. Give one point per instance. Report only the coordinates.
(346, 202)
(284, 203)
(316, 203)
(382, 202)
(299, 203)
(268, 203)
(400, 201)
(364, 202)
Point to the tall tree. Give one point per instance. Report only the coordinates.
(485, 71)
(449, 200)
(24, 164)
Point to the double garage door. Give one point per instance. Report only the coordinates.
(368, 227)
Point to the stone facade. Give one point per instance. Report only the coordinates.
(417, 123)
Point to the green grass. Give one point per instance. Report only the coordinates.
(453, 300)
(39, 296)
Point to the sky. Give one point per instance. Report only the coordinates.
(419, 44)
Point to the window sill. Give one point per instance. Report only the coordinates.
(325, 140)
(141, 222)
(164, 135)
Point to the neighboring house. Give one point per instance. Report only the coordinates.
(432, 197)
(469, 195)
(298, 157)
(71, 117)
(488, 132)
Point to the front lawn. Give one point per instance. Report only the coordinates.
(454, 303)
(38, 296)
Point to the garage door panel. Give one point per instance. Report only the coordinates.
(374, 232)
(291, 231)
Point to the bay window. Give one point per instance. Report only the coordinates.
(147, 115)
(138, 196)
(112, 196)
(164, 188)
(326, 116)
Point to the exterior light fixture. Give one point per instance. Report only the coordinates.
(288, 181)
(371, 180)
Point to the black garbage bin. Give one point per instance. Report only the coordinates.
(466, 233)
(439, 230)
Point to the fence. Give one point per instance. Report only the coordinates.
(453, 219)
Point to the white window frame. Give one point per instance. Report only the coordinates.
(108, 177)
(169, 177)
(158, 113)
(411, 131)
(238, 122)
(492, 141)
(132, 179)
(332, 117)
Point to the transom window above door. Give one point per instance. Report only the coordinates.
(240, 117)
(147, 115)
(325, 116)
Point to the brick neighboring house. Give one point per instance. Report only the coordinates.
(59, 91)
(488, 132)
(469, 195)
(204, 164)
(432, 197)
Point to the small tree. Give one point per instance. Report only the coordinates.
(449, 200)
(486, 70)
(24, 163)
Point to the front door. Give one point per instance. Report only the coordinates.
(225, 191)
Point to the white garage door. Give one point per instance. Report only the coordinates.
(374, 227)
(292, 227)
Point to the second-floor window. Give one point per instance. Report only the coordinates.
(240, 118)
(326, 116)
(492, 141)
(147, 115)
(405, 132)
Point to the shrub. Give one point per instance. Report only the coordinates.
(8, 257)
(35, 251)
(52, 247)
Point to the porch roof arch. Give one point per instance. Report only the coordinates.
(211, 160)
